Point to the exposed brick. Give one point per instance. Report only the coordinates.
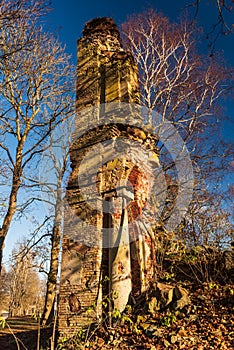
(101, 77)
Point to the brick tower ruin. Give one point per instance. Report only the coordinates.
(104, 251)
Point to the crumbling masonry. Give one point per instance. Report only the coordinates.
(105, 252)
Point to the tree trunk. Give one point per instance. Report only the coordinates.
(54, 263)
(11, 209)
(2, 238)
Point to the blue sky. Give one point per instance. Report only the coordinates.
(69, 17)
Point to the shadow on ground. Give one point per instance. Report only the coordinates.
(22, 333)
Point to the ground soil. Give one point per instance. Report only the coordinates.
(206, 324)
(21, 333)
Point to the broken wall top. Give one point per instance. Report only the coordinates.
(101, 26)
(102, 32)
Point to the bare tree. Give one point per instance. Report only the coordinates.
(56, 158)
(26, 295)
(36, 94)
(174, 79)
(223, 9)
(20, 11)
(4, 290)
(186, 89)
(208, 222)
